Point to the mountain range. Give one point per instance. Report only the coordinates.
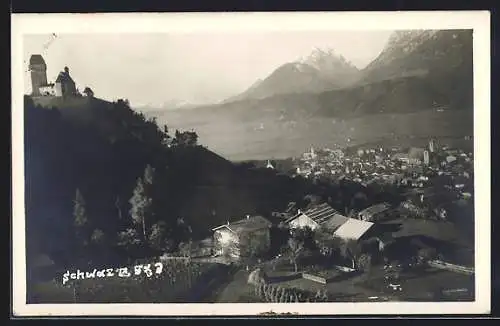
(415, 70)
(322, 70)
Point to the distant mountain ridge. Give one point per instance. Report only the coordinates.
(416, 70)
(419, 53)
(322, 70)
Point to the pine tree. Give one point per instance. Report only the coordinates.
(157, 236)
(261, 289)
(282, 295)
(269, 290)
(79, 211)
(80, 216)
(141, 206)
(148, 175)
(118, 207)
(275, 294)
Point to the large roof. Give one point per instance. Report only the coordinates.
(324, 215)
(375, 209)
(335, 222)
(416, 152)
(64, 77)
(353, 229)
(246, 224)
(36, 59)
(320, 213)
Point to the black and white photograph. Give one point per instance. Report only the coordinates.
(251, 163)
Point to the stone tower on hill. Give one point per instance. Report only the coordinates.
(38, 70)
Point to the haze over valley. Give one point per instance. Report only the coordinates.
(420, 85)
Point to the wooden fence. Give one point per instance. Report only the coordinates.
(315, 278)
(451, 267)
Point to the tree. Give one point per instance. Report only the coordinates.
(157, 236)
(128, 239)
(350, 249)
(88, 92)
(282, 297)
(295, 247)
(141, 206)
(79, 211)
(327, 244)
(148, 175)
(118, 207)
(80, 216)
(364, 262)
(185, 248)
(358, 201)
(274, 294)
(141, 200)
(186, 138)
(97, 237)
(426, 254)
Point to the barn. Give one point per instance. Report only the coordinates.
(318, 216)
(376, 212)
(354, 229)
(243, 238)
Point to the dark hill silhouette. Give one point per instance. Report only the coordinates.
(103, 155)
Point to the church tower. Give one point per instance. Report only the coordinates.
(38, 70)
(432, 146)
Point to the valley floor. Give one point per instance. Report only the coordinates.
(270, 138)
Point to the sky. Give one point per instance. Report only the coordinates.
(152, 69)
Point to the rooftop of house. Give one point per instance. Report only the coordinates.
(324, 215)
(416, 152)
(375, 209)
(63, 77)
(400, 156)
(250, 223)
(318, 213)
(353, 229)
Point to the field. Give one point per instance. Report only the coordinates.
(446, 237)
(417, 284)
(178, 282)
(267, 137)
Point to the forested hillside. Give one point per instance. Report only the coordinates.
(118, 187)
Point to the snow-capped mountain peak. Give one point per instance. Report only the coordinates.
(325, 58)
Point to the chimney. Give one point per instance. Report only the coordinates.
(299, 211)
(66, 70)
(228, 223)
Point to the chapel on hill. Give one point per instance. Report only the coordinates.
(64, 86)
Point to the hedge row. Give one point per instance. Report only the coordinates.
(278, 294)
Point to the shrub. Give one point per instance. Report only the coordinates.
(283, 295)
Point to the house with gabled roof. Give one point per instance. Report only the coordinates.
(353, 229)
(322, 215)
(375, 212)
(243, 238)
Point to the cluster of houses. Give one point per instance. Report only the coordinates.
(252, 235)
(414, 168)
(413, 172)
